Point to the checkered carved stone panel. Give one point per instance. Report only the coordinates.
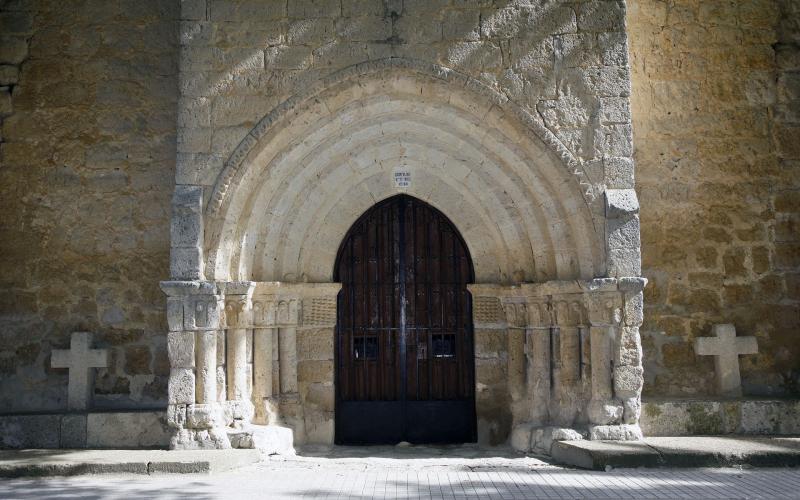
(487, 311)
(319, 311)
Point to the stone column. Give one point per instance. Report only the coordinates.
(568, 317)
(516, 317)
(604, 310)
(628, 371)
(238, 309)
(263, 332)
(275, 318)
(206, 342)
(538, 349)
(194, 318)
(287, 344)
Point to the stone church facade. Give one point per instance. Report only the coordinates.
(180, 177)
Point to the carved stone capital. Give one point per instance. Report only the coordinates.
(271, 311)
(516, 314)
(193, 305)
(569, 311)
(237, 311)
(604, 308)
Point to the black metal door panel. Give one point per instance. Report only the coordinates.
(404, 351)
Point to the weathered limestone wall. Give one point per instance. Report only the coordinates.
(88, 95)
(716, 113)
(89, 100)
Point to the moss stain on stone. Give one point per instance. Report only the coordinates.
(702, 422)
(652, 411)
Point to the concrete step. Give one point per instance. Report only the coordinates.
(687, 451)
(22, 463)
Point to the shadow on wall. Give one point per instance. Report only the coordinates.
(545, 63)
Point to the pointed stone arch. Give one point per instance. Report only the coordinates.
(308, 169)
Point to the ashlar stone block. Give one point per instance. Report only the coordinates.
(618, 172)
(13, 49)
(73, 431)
(601, 16)
(181, 387)
(180, 348)
(623, 233)
(629, 350)
(194, 10)
(633, 309)
(8, 75)
(623, 432)
(628, 381)
(621, 203)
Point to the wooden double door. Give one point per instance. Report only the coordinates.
(404, 338)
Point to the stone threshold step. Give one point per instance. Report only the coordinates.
(684, 451)
(26, 463)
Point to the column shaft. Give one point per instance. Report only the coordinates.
(601, 362)
(516, 363)
(206, 384)
(262, 367)
(287, 343)
(539, 372)
(237, 364)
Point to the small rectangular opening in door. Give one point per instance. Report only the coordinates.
(444, 346)
(365, 348)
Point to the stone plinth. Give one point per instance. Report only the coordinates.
(112, 430)
(748, 416)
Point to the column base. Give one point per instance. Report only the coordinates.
(623, 432)
(530, 437)
(268, 439)
(604, 412)
(200, 439)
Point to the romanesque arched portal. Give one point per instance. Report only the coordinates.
(557, 301)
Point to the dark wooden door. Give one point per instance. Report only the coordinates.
(404, 350)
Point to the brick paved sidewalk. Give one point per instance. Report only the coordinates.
(349, 476)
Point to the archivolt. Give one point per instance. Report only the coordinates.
(306, 172)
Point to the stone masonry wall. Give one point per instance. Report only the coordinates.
(564, 61)
(88, 93)
(89, 99)
(716, 114)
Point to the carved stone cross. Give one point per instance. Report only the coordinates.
(81, 361)
(727, 347)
